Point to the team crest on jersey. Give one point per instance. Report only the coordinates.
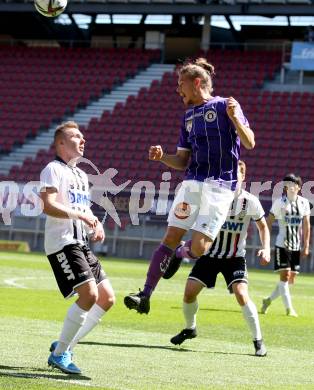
(210, 116)
(189, 125)
(241, 214)
(182, 210)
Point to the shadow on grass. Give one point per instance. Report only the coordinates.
(36, 374)
(175, 349)
(208, 309)
(123, 345)
(229, 353)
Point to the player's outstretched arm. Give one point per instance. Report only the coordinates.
(177, 161)
(245, 134)
(55, 209)
(264, 252)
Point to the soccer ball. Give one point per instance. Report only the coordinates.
(50, 8)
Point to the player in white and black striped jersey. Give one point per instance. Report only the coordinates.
(293, 214)
(66, 201)
(227, 255)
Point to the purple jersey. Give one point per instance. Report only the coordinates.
(211, 137)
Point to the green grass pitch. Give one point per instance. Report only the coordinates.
(131, 351)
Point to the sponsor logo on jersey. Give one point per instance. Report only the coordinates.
(233, 226)
(210, 116)
(293, 220)
(182, 210)
(65, 266)
(85, 273)
(79, 198)
(239, 273)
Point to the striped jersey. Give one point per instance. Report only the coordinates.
(290, 216)
(211, 137)
(231, 240)
(73, 191)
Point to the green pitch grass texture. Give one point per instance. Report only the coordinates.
(132, 351)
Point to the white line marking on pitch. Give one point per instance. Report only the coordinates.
(13, 282)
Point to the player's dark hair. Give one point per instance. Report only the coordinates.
(199, 68)
(293, 178)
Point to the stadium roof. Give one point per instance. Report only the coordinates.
(172, 7)
(238, 21)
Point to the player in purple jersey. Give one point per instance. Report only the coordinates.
(227, 255)
(208, 150)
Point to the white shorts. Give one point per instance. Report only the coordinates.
(201, 206)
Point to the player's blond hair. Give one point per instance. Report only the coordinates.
(61, 128)
(199, 68)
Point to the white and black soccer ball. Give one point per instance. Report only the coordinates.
(50, 8)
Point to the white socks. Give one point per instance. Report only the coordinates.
(251, 317)
(282, 289)
(74, 320)
(275, 294)
(93, 318)
(189, 311)
(285, 294)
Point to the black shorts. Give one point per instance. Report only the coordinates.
(286, 260)
(207, 268)
(73, 266)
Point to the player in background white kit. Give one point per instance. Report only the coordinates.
(66, 200)
(293, 214)
(227, 255)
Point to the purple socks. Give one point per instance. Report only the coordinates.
(157, 268)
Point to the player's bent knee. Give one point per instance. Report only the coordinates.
(189, 299)
(92, 297)
(242, 298)
(111, 301)
(89, 297)
(197, 249)
(189, 296)
(173, 237)
(241, 293)
(285, 276)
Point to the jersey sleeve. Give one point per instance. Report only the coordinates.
(184, 143)
(276, 209)
(49, 178)
(307, 208)
(240, 115)
(256, 209)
